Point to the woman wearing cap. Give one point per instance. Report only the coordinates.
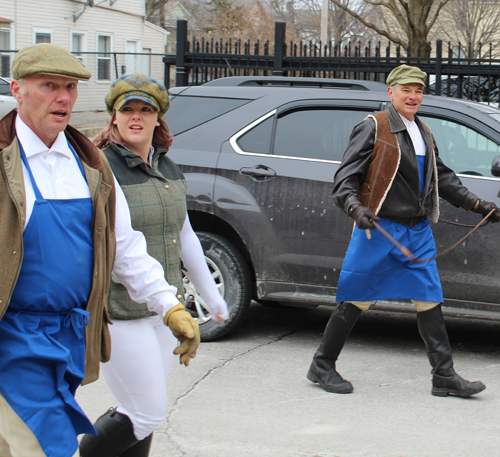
(135, 143)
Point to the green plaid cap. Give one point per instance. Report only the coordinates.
(404, 74)
(137, 87)
(48, 59)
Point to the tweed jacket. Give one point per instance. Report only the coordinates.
(156, 197)
(12, 220)
(395, 195)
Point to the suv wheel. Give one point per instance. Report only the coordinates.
(232, 276)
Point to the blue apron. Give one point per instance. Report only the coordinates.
(42, 336)
(375, 269)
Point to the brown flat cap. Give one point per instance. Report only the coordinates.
(48, 59)
(404, 74)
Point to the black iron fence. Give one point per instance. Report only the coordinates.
(201, 60)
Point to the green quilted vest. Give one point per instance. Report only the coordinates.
(157, 201)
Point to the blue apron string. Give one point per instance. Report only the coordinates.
(38, 194)
(78, 319)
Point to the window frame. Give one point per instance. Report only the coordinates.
(44, 31)
(106, 58)
(84, 43)
(371, 106)
(5, 72)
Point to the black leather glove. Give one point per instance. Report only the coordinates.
(483, 207)
(363, 216)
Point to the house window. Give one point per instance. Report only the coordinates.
(79, 45)
(4, 56)
(42, 35)
(103, 58)
(146, 61)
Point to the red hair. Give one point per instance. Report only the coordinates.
(162, 138)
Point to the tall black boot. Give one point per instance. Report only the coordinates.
(322, 369)
(445, 381)
(115, 435)
(139, 449)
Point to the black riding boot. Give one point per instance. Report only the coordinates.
(139, 449)
(445, 381)
(322, 369)
(115, 435)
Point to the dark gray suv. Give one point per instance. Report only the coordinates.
(259, 155)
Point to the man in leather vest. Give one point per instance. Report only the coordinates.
(391, 173)
(65, 228)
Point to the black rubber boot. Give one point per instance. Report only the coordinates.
(139, 449)
(322, 369)
(115, 435)
(445, 381)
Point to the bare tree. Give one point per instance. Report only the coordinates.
(414, 19)
(341, 25)
(152, 6)
(469, 23)
(303, 19)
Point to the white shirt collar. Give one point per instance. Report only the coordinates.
(33, 145)
(408, 124)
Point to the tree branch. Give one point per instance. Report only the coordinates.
(436, 14)
(370, 25)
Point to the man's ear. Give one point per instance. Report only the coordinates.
(16, 90)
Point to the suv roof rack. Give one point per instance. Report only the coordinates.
(286, 81)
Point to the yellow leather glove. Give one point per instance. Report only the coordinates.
(186, 330)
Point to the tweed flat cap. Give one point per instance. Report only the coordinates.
(404, 74)
(137, 87)
(48, 59)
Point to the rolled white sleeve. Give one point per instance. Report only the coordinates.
(141, 274)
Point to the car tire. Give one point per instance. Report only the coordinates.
(232, 275)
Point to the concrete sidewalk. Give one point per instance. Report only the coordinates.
(247, 396)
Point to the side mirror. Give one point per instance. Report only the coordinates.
(495, 166)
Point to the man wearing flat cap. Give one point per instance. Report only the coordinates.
(391, 173)
(65, 228)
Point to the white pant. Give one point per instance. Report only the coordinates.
(16, 438)
(141, 359)
(420, 305)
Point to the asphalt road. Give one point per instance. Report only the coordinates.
(247, 395)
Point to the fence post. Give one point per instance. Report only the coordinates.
(279, 47)
(181, 72)
(439, 62)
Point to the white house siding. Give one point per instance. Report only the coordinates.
(123, 21)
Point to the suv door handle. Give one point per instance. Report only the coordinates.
(259, 171)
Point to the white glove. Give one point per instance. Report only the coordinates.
(199, 274)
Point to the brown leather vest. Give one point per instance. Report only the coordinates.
(386, 156)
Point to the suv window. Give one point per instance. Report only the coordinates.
(193, 111)
(4, 87)
(462, 148)
(258, 139)
(316, 133)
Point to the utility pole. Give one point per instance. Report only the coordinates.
(324, 22)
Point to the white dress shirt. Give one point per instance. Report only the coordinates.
(415, 135)
(58, 176)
